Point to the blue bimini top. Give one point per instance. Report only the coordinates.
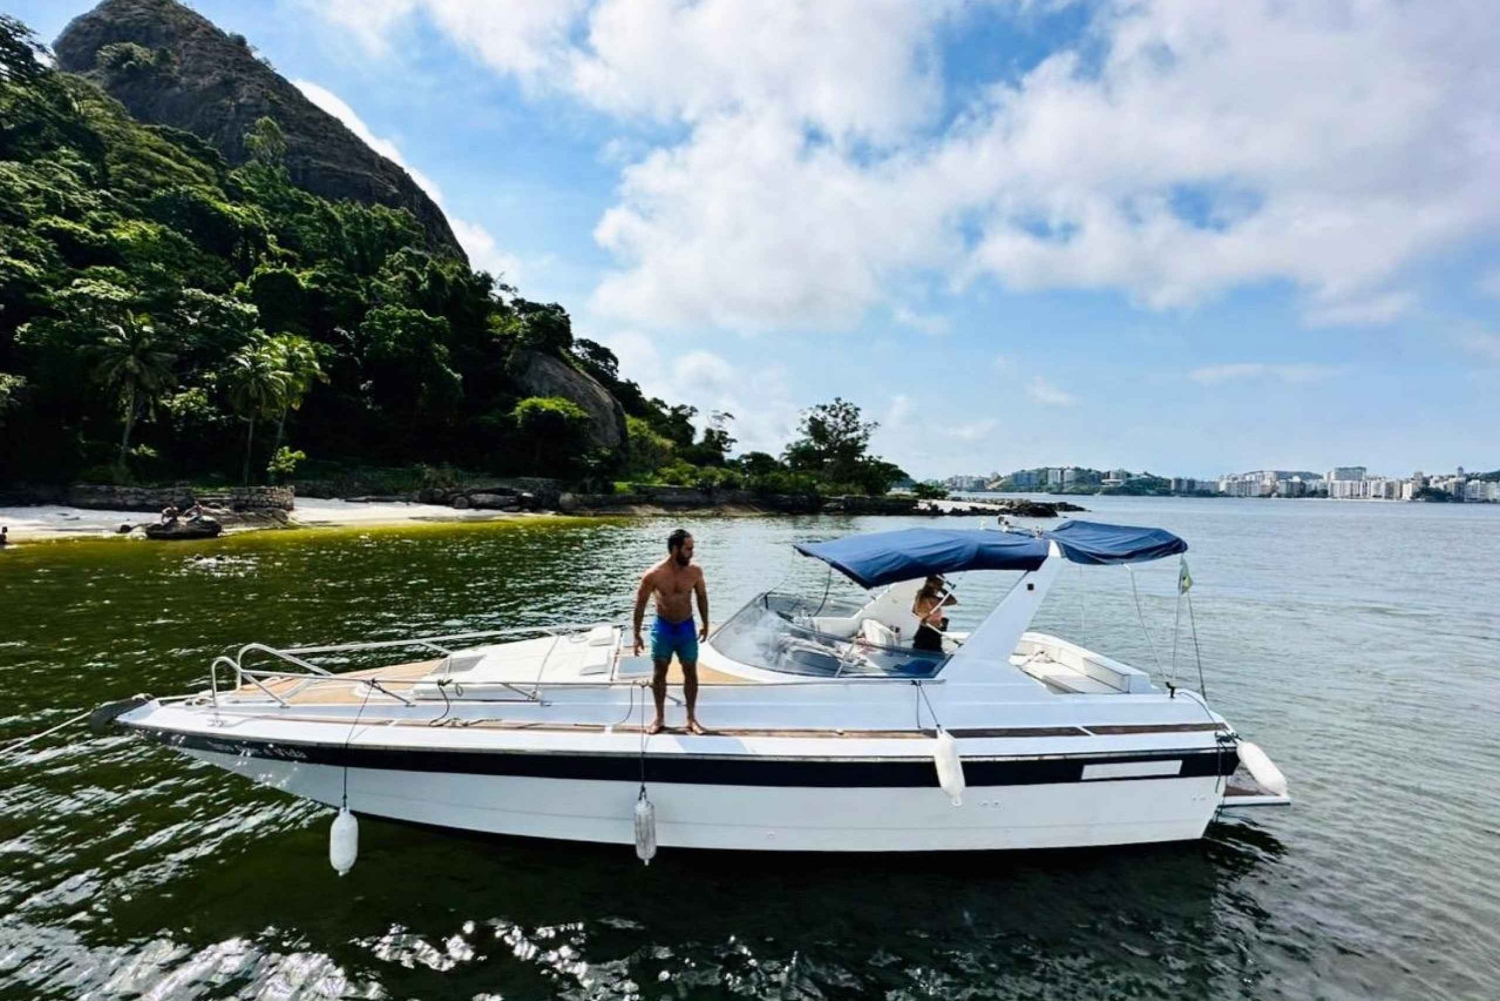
(878, 558)
(1095, 544)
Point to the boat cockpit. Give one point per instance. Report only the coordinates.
(833, 638)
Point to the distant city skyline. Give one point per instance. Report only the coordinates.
(1338, 482)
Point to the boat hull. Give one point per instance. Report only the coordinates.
(1021, 809)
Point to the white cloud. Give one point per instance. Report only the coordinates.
(898, 414)
(1042, 391)
(850, 67)
(927, 323)
(484, 253)
(974, 430)
(1210, 375)
(1374, 311)
(371, 22)
(765, 418)
(1180, 150)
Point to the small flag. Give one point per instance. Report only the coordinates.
(1184, 579)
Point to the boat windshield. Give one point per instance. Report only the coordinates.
(793, 635)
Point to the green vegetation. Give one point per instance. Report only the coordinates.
(162, 312)
(930, 491)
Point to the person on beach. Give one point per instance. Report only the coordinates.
(674, 581)
(4, 536)
(928, 608)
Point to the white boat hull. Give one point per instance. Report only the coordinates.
(761, 818)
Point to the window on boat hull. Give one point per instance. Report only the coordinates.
(789, 634)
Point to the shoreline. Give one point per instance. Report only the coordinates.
(57, 522)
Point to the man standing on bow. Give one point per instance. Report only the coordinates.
(674, 581)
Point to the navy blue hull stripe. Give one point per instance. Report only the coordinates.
(819, 773)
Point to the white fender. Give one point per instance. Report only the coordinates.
(645, 829)
(343, 842)
(950, 767)
(1261, 768)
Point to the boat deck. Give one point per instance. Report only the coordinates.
(349, 688)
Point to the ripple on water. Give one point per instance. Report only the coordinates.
(127, 871)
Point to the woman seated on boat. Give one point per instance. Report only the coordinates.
(928, 608)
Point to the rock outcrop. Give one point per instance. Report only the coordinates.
(542, 374)
(211, 84)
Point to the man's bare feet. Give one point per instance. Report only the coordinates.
(693, 726)
(654, 728)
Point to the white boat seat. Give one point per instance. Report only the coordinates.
(1072, 668)
(879, 634)
(838, 626)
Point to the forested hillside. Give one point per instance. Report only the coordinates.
(165, 315)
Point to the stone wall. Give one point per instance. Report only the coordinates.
(108, 497)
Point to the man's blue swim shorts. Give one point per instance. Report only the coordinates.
(680, 638)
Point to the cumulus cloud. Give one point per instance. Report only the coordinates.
(765, 418)
(1374, 311)
(1177, 150)
(1210, 375)
(1042, 391)
(484, 253)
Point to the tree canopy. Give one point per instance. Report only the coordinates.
(163, 314)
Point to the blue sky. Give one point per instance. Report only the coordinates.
(1174, 235)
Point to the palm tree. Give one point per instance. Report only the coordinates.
(258, 383)
(300, 359)
(133, 365)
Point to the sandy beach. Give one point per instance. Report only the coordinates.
(43, 522)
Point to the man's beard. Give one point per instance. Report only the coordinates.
(683, 561)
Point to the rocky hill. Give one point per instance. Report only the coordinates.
(193, 76)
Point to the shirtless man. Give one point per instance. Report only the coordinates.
(674, 581)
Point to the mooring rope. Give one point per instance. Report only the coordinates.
(50, 730)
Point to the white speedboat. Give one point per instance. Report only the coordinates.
(830, 731)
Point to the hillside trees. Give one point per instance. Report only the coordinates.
(134, 367)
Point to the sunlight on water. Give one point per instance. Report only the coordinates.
(1356, 643)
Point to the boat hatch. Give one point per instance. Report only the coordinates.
(587, 655)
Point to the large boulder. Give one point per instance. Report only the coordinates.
(217, 88)
(541, 374)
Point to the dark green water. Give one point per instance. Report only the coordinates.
(1359, 644)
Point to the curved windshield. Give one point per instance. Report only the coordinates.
(782, 632)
